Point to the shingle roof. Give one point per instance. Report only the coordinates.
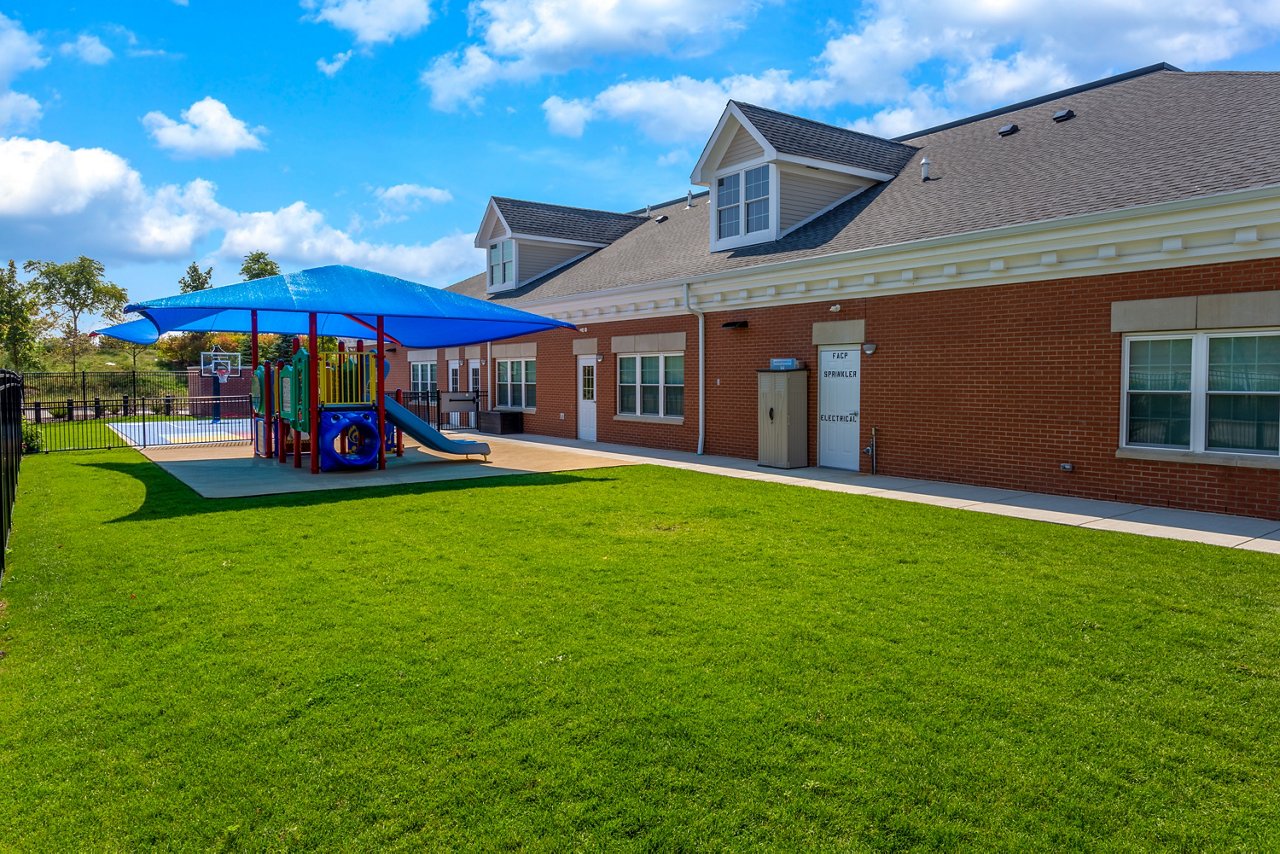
(543, 220)
(1160, 137)
(806, 138)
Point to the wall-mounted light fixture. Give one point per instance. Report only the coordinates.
(484, 363)
(599, 357)
(734, 324)
(868, 348)
(834, 308)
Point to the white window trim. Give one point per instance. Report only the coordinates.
(490, 286)
(524, 396)
(743, 239)
(662, 415)
(1199, 450)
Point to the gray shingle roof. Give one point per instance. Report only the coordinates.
(1159, 137)
(543, 220)
(806, 138)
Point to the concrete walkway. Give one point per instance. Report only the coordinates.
(1241, 532)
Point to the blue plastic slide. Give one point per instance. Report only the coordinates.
(430, 436)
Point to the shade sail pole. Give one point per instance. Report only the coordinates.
(313, 392)
(382, 399)
(253, 340)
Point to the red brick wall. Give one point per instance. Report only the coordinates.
(994, 386)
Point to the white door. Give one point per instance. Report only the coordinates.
(473, 374)
(838, 400)
(587, 398)
(455, 377)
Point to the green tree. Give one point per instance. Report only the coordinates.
(196, 279)
(21, 321)
(258, 265)
(73, 290)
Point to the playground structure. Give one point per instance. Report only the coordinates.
(333, 406)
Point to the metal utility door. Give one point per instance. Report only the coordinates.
(473, 377)
(587, 398)
(839, 398)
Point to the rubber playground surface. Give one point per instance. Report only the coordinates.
(183, 432)
(231, 471)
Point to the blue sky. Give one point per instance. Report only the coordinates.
(371, 132)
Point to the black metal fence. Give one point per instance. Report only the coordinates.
(141, 422)
(10, 453)
(426, 405)
(57, 387)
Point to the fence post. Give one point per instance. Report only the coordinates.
(84, 388)
(37, 413)
(97, 407)
(71, 409)
(125, 406)
(168, 405)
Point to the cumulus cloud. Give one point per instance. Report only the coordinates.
(397, 202)
(990, 53)
(19, 52)
(58, 201)
(372, 21)
(207, 129)
(88, 49)
(332, 66)
(526, 39)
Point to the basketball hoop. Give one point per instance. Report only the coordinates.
(219, 364)
(222, 371)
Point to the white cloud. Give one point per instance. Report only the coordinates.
(331, 67)
(397, 202)
(207, 130)
(19, 52)
(526, 39)
(373, 21)
(990, 52)
(57, 201)
(87, 48)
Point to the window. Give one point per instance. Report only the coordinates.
(517, 383)
(1204, 392)
(455, 375)
(422, 377)
(651, 385)
(742, 203)
(502, 264)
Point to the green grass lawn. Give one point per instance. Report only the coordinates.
(638, 658)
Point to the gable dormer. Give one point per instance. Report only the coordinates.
(769, 172)
(524, 241)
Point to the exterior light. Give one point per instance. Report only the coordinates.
(868, 348)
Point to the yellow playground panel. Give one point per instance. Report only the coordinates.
(348, 378)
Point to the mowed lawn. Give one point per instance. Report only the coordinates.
(631, 658)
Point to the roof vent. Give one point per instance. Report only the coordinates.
(1008, 130)
(647, 211)
(661, 218)
(924, 169)
(1064, 115)
(688, 202)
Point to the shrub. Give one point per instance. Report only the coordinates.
(32, 438)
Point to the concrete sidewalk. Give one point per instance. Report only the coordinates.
(1241, 532)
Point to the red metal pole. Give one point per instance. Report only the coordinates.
(268, 411)
(313, 393)
(381, 363)
(253, 340)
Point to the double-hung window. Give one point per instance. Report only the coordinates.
(422, 377)
(502, 264)
(742, 203)
(651, 385)
(1204, 391)
(517, 385)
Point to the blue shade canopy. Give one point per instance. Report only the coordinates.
(347, 302)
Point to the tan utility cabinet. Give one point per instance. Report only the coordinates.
(784, 419)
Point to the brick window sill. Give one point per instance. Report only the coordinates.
(1251, 461)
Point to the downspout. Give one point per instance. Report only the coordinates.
(702, 370)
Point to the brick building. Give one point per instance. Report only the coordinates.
(1078, 294)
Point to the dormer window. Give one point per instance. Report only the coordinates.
(502, 264)
(751, 205)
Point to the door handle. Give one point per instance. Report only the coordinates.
(770, 413)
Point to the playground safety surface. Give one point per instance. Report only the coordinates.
(233, 472)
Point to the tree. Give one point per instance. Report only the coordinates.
(258, 265)
(20, 319)
(195, 280)
(73, 290)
